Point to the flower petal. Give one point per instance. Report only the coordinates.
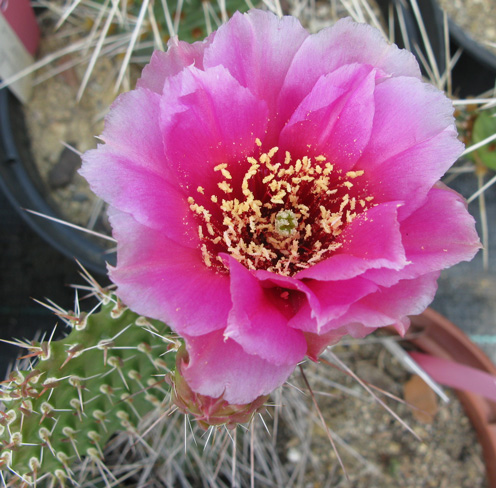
(258, 324)
(208, 118)
(138, 138)
(257, 48)
(389, 306)
(372, 240)
(336, 297)
(413, 142)
(155, 203)
(164, 65)
(161, 279)
(438, 235)
(335, 118)
(345, 43)
(221, 367)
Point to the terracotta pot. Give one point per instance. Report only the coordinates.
(436, 335)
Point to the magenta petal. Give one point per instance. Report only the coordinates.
(221, 367)
(390, 306)
(257, 324)
(164, 65)
(257, 48)
(335, 119)
(372, 240)
(336, 297)
(164, 280)
(155, 202)
(413, 142)
(438, 235)
(137, 138)
(345, 43)
(208, 118)
(268, 279)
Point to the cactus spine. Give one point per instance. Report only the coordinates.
(102, 378)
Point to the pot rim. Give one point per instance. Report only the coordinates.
(434, 334)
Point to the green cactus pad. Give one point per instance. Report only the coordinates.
(102, 378)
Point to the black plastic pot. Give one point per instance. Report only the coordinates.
(23, 187)
(475, 71)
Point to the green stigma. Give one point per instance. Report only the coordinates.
(286, 223)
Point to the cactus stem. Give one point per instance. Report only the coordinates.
(114, 362)
(73, 352)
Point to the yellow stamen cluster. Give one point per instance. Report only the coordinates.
(281, 215)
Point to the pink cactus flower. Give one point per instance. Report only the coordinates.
(271, 191)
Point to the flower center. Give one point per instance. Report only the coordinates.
(286, 222)
(280, 215)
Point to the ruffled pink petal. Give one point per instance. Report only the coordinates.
(164, 65)
(221, 367)
(137, 138)
(389, 306)
(372, 240)
(438, 235)
(161, 279)
(155, 202)
(413, 142)
(208, 118)
(257, 48)
(345, 43)
(257, 323)
(336, 297)
(335, 118)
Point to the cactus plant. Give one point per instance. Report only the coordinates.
(103, 377)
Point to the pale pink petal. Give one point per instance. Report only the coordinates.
(345, 43)
(257, 48)
(390, 306)
(221, 367)
(438, 235)
(335, 118)
(155, 202)
(413, 142)
(163, 65)
(138, 138)
(257, 322)
(159, 278)
(208, 118)
(372, 240)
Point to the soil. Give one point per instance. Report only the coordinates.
(446, 456)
